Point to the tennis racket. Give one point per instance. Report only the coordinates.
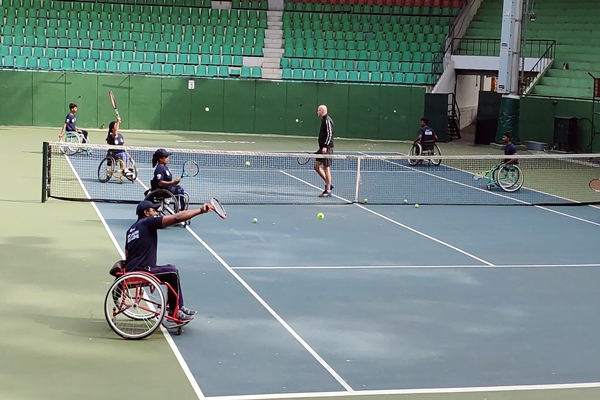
(304, 158)
(216, 206)
(595, 185)
(113, 102)
(190, 169)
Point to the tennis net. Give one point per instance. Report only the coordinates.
(76, 172)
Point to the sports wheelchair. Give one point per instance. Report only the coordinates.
(74, 138)
(111, 166)
(170, 203)
(509, 178)
(425, 148)
(135, 305)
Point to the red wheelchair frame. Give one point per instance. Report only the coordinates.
(135, 305)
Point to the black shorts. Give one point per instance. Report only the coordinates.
(325, 161)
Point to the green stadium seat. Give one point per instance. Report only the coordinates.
(179, 70)
(386, 77)
(32, 63)
(409, 78)
(201, 70)
(190, 70)
(67, 64)
(330, 75)
(297, 74)
(364, 76)
(256, 72)
(89, 65)
(55, 64)
(212, 71)
(168, 69)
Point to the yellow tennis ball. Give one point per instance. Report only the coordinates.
(207, 109)
(416, 206)
(320, 215)
(255, 220)
(405, 201)
(247, 163)
(365, 200)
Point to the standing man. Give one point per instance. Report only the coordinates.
(70, 125)
(323, 165)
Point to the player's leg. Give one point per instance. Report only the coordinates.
(170, 274)
(85, 135)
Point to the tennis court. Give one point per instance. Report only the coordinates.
(440, 301)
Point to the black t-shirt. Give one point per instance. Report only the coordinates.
(141, 243)
(326, 132)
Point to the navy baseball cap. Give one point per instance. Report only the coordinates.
(162, 153)
(145, 205)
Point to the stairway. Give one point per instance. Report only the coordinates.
(273, 49)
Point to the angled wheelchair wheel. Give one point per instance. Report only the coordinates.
(169, 203)
(510, 179)
(135, 305)
(71, 138)
(436, 152)
(415, 150)
(134, 174)
(106, 169)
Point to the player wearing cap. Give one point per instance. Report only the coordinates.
(141, 246)
(163, 178)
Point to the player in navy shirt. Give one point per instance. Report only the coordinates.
(141, 247)
(116, 139)
(509, 149)
(164, 179)
(426, 134)
(70, 125)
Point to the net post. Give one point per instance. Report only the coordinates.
(45, 148)
(357, 179)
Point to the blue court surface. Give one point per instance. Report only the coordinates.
(376, 298)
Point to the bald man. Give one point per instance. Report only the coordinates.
(323, 165)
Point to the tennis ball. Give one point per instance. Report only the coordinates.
(296, 119)
(255, 220)
(416, 206)
(365, 200)
(247, 163)
(320, 215)
(405, 201)
(207, 109)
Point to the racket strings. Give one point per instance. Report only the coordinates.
(218, 208)
(190, 168)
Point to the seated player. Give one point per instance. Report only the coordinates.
(141, 248)
(71, 126)
(426, 134)
(163, 179)
(116, 139)
(509, 149)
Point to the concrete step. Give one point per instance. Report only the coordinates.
(252, 61)
(275, 25)
(273, 34)
(274, 43)
(274, 53)
(271, 70)
(275, 14)
(273, 65)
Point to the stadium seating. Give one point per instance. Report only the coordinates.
(392, 42)
(124, 38)
(573, 25)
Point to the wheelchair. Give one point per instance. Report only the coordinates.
(111, 167)
(136, 304)
(169, 202)
(509, 178)
(426, 148)
(74, 138)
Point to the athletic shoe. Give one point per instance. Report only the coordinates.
(183, 316)
(325, 194)
(187, 311)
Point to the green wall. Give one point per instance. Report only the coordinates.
(241, 106)
(536, 121)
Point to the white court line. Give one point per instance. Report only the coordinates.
(291, 331)
(496, 266)
(497, 194)
(172, 345)
(398, 223)
(482, 389)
